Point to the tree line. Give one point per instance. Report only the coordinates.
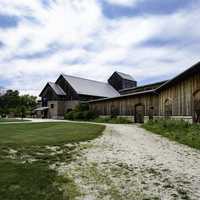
(15, 105)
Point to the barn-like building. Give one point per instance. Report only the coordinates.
(68, 91)
(176, 98)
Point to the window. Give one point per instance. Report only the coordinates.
(52, 106)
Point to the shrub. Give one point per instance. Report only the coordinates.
(78, 116)
(82, 107)
(79, 113)
(115, 120)
(69, 115)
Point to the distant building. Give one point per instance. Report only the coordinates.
(68, 91)
(176, 98)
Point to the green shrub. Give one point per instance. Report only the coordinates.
(115, 120)
(89, 115)
(69, 115)
(82, 107)
(80, 115)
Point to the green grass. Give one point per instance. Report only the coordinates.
(24, 170)
(47, 133)
(180, 131)
(11, 120)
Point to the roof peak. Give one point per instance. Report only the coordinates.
(83, 78)
(125, 76)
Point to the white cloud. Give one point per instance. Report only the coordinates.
(123, 2)
(92, 46)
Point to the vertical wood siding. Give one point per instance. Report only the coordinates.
(126, 105)
(181, 95)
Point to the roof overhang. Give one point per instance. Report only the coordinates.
(124, 96)
(41, 109)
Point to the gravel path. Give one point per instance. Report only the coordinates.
(130, 163)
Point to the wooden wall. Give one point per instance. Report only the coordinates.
(181, 96)
(126, 105)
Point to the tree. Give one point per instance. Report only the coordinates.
(12, 103)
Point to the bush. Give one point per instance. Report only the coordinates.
(81, 112)
(89, 115)
(82, 107)
(69, 115)
(115, 120)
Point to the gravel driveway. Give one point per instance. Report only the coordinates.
(128, 162)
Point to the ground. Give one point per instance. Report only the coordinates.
(125, 163)
(130, 163)
(27, 150)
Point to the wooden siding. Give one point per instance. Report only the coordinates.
(181, 95)
(119, 83)
(126, 106)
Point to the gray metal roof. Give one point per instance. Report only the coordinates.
(90, 87)
(41, 109)
(57, 89)
(124, 95)
(126, 76)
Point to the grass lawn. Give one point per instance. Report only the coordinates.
(28, 150)
(180, 131)
(11, 120)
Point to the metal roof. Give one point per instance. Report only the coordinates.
(57, 89)
(143, 87)
(124, 95)
(126, 76)
(91, 87)
(41, 109)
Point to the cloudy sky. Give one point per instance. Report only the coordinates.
(150, 39)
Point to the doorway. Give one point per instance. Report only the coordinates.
(139, 113)
(196, 104)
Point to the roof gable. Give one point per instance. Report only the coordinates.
(56, 89)
(192, 70)
(125, 76)
(90, 87)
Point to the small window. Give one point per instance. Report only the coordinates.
(52, 106)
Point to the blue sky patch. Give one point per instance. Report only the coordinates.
(1, 44)
(146, 7)
(7, 21)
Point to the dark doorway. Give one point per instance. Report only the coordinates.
(45, 114)
(196, 97)
(168, 108)
(151, 113)
(139, 113)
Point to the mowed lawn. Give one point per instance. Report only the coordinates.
(27, 152)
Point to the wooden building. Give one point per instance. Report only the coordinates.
(180, 96)
(177, 98)
(140, 102)
(68, 91)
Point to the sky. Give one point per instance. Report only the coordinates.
(152, 40)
